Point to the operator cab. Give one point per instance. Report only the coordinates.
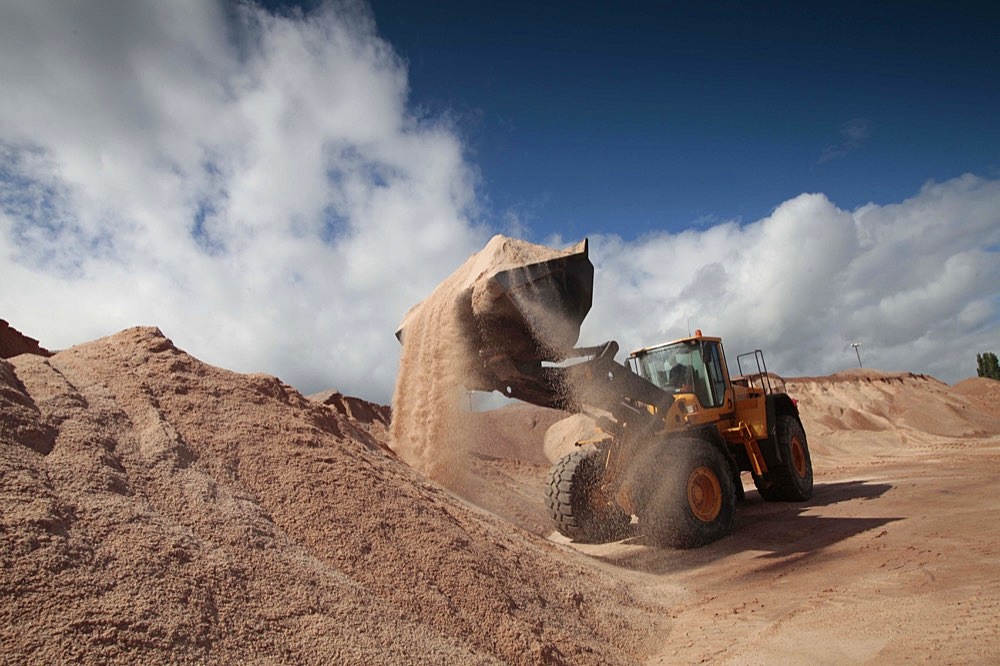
(690, 365)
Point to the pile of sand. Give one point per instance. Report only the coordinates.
(368, 421)
(891, 409)
(156, 509)
(13, 342)
(981, 392)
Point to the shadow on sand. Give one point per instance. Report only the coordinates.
(776, 531)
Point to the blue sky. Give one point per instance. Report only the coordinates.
(275, 186)
(651, 115)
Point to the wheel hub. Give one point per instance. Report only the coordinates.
(704, 494)
(798, 457)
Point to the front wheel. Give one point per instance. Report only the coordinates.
(792, 479)
(689, 499)
(577, 501)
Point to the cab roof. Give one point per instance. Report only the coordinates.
(693, 338)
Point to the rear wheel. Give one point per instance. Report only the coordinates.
(577, 502)
(792, 479)
(689, 500)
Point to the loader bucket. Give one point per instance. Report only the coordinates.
(533, 312)
(518, 304)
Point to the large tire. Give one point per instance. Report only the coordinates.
(578, 507)
(792, 480)
(689, 496)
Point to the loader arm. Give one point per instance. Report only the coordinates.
(597, 381)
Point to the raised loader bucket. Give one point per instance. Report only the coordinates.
(519, 304)
(533, 312)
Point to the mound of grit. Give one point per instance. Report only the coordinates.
(155, 509)
(14, 343)
(896, 411)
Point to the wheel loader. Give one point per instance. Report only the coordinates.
(674, 430)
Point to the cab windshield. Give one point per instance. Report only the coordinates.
(688, 366)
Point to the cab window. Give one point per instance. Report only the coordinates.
(715, 376)
(690, 366)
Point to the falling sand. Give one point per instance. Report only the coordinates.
(441, 360)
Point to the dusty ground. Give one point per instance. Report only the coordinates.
(890, 563)
(895, 559)
(154, 509)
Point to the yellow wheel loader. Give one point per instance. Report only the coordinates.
(674, 429)
(672, 456)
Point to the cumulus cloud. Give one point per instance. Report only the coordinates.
(258, 187)
(253, 184)
(916, 283)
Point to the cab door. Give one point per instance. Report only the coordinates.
(715, 391)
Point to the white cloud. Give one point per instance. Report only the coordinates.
(916, 283)
(258, 187)
(254, 185)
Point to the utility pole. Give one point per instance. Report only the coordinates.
(857, 350)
